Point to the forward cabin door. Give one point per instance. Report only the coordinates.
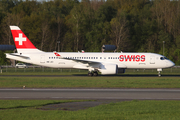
(152, 60)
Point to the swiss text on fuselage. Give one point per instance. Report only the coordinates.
(135, 58)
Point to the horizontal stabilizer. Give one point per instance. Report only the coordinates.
(25, 57)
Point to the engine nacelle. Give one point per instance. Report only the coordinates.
(108, 69)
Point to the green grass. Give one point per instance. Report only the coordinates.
(58, 71)
(128, 110)
(41, 71)
(14, 104)
(90, 82)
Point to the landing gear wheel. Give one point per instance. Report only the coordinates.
(95, 73)
(159, 72)
(90, 74)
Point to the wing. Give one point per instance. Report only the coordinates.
(94, 64)
(85, 63)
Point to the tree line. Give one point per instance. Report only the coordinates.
(131, 25)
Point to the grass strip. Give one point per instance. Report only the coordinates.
(59, 71)
(128, 110)
(90, 82)
(14, 104)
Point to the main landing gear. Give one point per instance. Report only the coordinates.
(93, 73)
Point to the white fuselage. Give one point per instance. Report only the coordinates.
(75, 60)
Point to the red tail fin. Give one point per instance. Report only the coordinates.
(20, 39)
(23, 44)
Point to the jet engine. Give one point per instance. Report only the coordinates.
(108, 69)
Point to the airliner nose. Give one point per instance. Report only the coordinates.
(171, 64)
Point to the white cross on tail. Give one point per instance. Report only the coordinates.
(20, 39)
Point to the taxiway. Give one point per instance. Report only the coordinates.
(120, 94)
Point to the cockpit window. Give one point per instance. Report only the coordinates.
(163, 58)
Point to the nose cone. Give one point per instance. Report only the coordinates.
(170, 64)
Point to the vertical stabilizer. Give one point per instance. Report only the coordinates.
(23, 44)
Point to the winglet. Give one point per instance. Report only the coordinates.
(58, 55)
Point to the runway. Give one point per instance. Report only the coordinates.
(107, 94)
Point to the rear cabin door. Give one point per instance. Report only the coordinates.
(42, 59)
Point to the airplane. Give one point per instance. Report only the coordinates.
(106, 63)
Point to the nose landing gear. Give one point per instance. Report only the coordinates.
(159, 71)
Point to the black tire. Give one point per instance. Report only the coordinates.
(95, 74)
(90, 74)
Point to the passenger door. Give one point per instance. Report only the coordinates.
(152, 60)
(42, 59)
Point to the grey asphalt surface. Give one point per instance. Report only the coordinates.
(94, 94)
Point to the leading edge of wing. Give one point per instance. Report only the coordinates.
(95, 64)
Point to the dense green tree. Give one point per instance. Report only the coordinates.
(131, 25)
(120, 31)
(2, 58)
(98, 35)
